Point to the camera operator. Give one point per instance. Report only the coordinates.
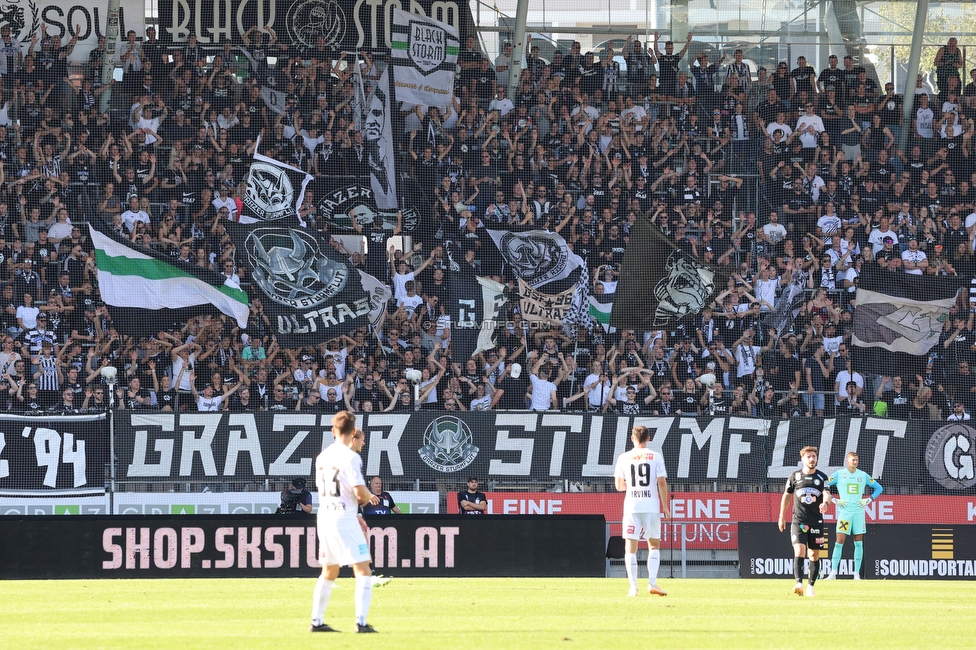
(295, 499)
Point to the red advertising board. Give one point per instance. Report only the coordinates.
(707, 520)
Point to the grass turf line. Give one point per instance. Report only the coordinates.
(484, 613)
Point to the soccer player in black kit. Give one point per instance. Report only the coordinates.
(808, 534)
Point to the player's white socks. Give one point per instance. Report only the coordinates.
(630, 560)
(320, 599)
(653, 564)
(364, 596)
(858, 557)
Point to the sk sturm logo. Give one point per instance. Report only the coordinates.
(683, 290)
(950, 454)
(291, 269)
(312, 18)
(269, 194)
(448, 445)
(427, 46)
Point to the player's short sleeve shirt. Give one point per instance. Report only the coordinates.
(851, 487)
(807, 491)
(338, 470)
(641, 467)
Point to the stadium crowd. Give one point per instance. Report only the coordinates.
(784, 178)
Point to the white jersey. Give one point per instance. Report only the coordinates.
(338, 470)
(641, 467)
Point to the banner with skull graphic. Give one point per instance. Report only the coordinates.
(311, 291)
(660, 284)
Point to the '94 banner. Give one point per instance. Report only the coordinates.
(53, 453)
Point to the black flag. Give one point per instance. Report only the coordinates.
(660, 284)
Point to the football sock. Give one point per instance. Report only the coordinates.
(653, 564)
(630, 560)
(814, 571)
(798, 569)
(858, 557)
(320, 599)
(836, 554)
(364, 595)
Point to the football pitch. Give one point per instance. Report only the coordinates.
(486, 613)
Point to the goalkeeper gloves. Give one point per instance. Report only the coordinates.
(842, 503)
(865, 501)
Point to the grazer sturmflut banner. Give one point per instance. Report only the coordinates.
(344, 24)
(424, 55)
(927, 457)
(48, 455)
(312, 292)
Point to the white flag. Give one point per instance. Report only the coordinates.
(424, 53)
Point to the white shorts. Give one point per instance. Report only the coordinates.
(642, 526)
(341, 542)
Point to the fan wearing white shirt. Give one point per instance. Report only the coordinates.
(913, 260)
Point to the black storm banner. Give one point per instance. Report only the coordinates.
(43, 455)
(933, 457)
(344, 25)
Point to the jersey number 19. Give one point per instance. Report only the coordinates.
(640, 475)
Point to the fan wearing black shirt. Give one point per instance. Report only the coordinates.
(810, 496)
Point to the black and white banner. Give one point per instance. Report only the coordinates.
(312, 292)
(53, 454)
(88, 19)
(538, 257)
(270, 546)
(934, 457)
(343, 199)
(476, 306)
(344, 24)
(903, 551)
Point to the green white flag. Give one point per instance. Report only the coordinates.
(143, 279)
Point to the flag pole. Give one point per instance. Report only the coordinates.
(108, 59)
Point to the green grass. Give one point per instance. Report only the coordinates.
(486, 613)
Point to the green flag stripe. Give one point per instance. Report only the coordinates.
(152, 269)
(398, 45)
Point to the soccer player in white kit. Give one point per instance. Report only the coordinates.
(341, 532)
(641, 475)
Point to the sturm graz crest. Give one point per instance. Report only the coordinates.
(291, 269)
(448, 445)
(269, 193)
(312, 18)
(533, 258)
(427, 46)
(683, 290)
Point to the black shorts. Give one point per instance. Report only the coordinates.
(813, 536)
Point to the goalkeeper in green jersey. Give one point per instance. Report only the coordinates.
(851, 484)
